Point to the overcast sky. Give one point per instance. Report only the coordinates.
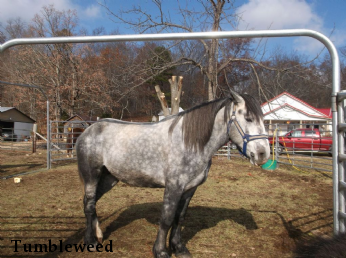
(325, 16)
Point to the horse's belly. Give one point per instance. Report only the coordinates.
(139, 178)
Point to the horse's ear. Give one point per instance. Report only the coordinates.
(236, 97)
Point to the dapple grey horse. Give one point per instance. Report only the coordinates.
(174, 153)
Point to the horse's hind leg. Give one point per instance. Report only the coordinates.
(106, 183)
(97, 183)
(90, 189)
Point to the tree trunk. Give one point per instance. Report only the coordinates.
(212, 62)
(176, 87)
(162, 99)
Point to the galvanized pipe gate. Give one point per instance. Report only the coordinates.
(337, 97)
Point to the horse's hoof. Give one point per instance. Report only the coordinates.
(162, 254)
(93, 248)
(100, 240)
(183, 253)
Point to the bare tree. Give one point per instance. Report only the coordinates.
(212, 15)
(225, 63)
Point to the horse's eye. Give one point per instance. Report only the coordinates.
(248, 120)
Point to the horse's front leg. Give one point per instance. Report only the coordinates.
(175, 244)
(171, 200)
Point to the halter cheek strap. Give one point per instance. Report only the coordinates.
(246, 137)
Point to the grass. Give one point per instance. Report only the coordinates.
(241, 211)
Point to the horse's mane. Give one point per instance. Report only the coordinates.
(198, 121)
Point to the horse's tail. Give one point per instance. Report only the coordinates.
(84, 147)
(80, 154)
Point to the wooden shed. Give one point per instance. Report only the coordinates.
(14, 121)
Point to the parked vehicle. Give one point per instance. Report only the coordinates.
(7, 135)
(232, 145)
(304, 139)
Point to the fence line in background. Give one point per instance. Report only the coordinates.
(291, 155)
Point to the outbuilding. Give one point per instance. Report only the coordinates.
(78, 121)
(16, 123)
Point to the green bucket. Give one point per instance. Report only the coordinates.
(270, 165)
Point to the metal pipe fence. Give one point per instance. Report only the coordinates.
(337, 97)
(63, 136)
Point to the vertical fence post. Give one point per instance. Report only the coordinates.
(312, 146)
(34, 138)
(228, 150)
(12, 138)
(277, 144)
(341, 173)
(49, 165)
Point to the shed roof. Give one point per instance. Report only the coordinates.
(4, 109)
(5, 116)
(82, 118)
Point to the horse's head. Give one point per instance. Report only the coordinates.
(246, 128)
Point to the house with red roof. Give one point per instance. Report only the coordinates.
(287, 112)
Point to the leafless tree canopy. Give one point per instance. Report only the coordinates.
(118, 79)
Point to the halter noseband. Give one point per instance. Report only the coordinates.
(246, 137)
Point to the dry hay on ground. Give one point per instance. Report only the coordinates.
(241, 211)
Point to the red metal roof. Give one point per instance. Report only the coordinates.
(326, 111)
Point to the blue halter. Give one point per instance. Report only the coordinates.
(246, 137)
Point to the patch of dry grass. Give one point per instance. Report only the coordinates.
(241, 211)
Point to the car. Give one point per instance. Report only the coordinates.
(8, 136)
(303, 139)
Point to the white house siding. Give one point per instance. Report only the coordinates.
(288, 111)
(289, 114)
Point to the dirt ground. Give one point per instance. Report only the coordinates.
(241, 211)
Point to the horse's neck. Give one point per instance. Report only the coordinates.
(219, 135)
